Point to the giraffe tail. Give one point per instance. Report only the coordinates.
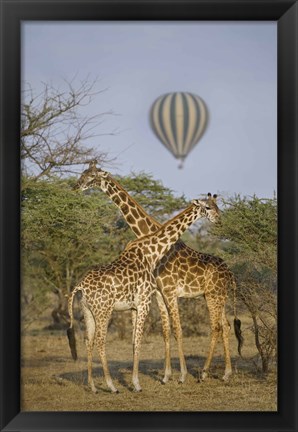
(237, 322)
(70, 330)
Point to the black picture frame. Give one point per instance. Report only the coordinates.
(285, 12)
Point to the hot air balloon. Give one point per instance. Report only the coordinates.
(179, 120)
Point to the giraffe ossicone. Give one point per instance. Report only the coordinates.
(127, 283)
(182, 272)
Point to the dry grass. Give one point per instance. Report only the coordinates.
(52, 381)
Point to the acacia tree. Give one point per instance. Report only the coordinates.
(54, 128)
(63, 234)
(248, 235)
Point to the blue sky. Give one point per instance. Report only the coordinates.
(232, 66)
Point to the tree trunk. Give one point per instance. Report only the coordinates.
(264, 356)
(60, 313)
(265, 364)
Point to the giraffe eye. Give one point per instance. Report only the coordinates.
(208, 208)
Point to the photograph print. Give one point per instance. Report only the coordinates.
(149, 216)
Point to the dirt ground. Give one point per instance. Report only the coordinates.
(52, 381)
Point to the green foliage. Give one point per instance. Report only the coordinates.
(68, 229)
(248, 231)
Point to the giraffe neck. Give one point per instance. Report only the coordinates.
(136, 217)
(156, 245)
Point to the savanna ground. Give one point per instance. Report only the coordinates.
(52, 381)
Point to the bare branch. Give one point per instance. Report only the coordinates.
(54, 129)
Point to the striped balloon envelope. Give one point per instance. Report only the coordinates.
(179, 120)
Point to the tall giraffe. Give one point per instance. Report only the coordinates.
(128, 283)
(182, 272)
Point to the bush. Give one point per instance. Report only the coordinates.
(248, 235)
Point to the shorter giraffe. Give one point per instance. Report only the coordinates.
(128, 283)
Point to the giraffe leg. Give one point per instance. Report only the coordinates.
(134, 321)
(174, 314)
(215, 312)
(142, 313)
(226, 344)
(166, 330)
(100, 341)
(89, 341)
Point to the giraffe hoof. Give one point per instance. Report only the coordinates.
(203, 376)
(114, 390)
(137, 390)
(94, 390)
(182, 379)
(226, 376)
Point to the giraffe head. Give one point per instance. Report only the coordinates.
(90, 177)
(208, 207)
